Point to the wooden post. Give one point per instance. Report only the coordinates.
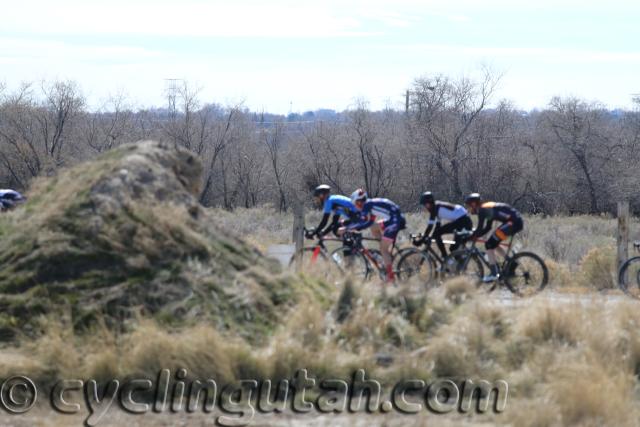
(298, 230)
(406, 103)
(623, 234)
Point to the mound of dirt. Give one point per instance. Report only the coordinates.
(125, 234)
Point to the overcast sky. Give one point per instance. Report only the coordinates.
(302, 55)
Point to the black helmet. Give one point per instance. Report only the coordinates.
(426, 197)
(321, 189)
(473, 197)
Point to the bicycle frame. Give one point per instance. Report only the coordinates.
(319, 246)
(475, 251)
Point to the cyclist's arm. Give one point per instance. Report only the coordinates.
(482, 228)
(323, 223)
(433, 220)
(364, 221)
(335, 223)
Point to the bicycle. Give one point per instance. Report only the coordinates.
(312, 254)
(523, 273)
(359, 260)
(629, 275)
(424, 262)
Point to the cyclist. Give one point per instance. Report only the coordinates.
(487, 213)
(439, 211)
(340, 206)
(385, 219)
(9, 199)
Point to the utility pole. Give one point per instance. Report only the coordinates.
(406, 102)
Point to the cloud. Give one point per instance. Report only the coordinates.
(186, 18)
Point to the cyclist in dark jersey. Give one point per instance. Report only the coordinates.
(340, 206)
(385, 219)
(439, 211)
(488, 212)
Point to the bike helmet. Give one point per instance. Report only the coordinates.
(426, 197)
(359, 195)
(473, 197)
(321, 189)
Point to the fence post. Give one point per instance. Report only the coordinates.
(622, 240)
(298, 230)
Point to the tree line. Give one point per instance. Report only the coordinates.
(573, 156)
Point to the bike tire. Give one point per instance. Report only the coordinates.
(629, 277)
(525, 274)
(471, 266)
(416, 263)
(321, 266)
(351, 263)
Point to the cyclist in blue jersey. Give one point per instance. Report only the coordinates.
(9, 199)
(340, 206)
(385, 219)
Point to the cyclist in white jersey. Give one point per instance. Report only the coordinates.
(456, 217)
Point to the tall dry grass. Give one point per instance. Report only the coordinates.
(566, 363)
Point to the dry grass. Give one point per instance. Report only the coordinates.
(598, 268)
(566, 363)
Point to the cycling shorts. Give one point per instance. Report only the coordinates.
(505, 230)
(392, 226)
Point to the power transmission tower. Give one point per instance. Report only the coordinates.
(171, 92)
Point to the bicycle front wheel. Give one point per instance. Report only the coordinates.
(629, 277)
(526, 274)
(314, 261)
(352, 262)
(418, 264)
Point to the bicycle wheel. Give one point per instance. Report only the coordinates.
(352, 262)
(629, 277)
(315, 261)
(525, 274)
(469, 265)
(418, 264)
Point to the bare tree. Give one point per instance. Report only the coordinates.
(63, 102)
(578, 128)
(442, 112)
(328, 161)
(225, 129)
(111, 126)
(274, 141)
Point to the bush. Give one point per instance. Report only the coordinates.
(598, 268)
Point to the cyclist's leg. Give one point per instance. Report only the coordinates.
(492, 243)
(389, 230)
(439, 231)
(461, 224)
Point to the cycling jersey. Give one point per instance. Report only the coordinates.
(340, 206)
(458, 220)
(384, 212)
(446, 211)
(507, 215)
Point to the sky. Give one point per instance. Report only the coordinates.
(292, 56)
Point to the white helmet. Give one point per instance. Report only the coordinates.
(359, 195)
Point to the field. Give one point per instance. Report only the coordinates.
(573, 360)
